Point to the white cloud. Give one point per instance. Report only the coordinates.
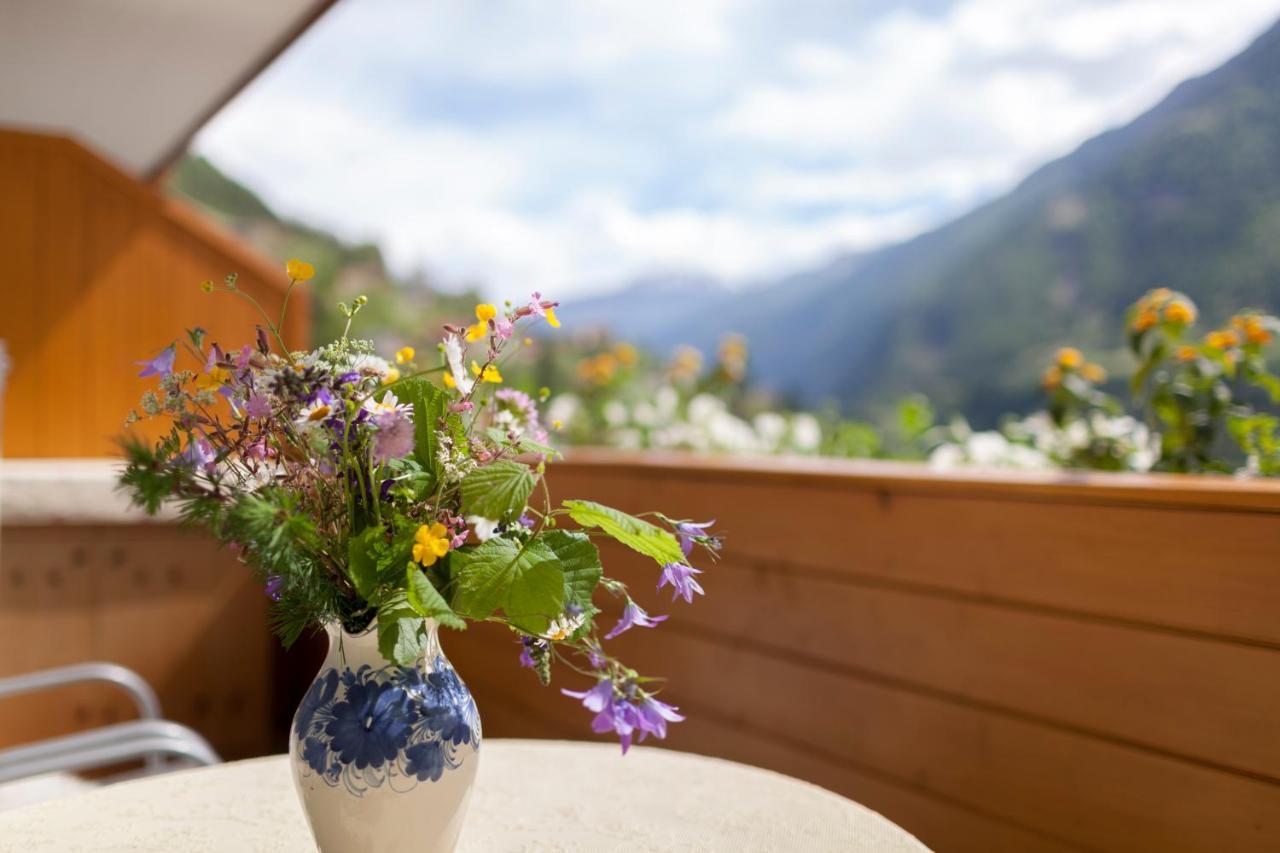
(564, 146)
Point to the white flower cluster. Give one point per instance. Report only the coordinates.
(1036, 443)
(703, 424)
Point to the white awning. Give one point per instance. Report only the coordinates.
(135, 79)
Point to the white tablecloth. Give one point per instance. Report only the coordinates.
(530, 796)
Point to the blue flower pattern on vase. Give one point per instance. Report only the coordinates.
(396, 726)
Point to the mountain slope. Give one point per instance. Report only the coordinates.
(1186, 196)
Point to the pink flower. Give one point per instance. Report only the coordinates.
(394, 438)
(503, 328)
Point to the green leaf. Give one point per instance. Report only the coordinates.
(362, 565)
(580, 562)
(402, 633)
(527, 584)
(498, 491)
(430, 404)
(523, 444)
(635, 533)
(426, 601)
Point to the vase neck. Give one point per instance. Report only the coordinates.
(351, 651)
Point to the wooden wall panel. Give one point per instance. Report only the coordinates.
(102, 271)
(995, 663)
(156, 598)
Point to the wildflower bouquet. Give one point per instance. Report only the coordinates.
(368, 493)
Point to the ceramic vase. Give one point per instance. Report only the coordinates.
(384, 756)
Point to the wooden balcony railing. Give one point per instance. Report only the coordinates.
(995, 662)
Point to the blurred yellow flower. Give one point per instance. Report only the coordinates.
(557, 424)
(1188, 353)
(1094, 372)
(1052, 378)
(393, 375)
(552, 320)
(489, 374)
(599, 369)
(1222, 339)
(1180, 311)
(404, 355)
(1069, 358)
(733, 356)
(686, 364)
(1255, 332)
(447, 378)
(299, 270)
(485, 312)
(1145, 319)
(626, 354)
(206, 286)
(430, 543)
(1159, 296)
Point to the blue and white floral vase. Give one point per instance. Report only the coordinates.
(384, 756)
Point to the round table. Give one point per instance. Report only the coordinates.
(529, 796)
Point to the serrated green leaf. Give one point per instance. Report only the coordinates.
(527, 583)
(498, 491)
(430, 404)
(580, 563)
(426, 601)
(402, 633)
(637, 534)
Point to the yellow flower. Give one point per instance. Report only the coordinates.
(214, 379)
(552, 320)
(1094, 372)
(447, 378)
(489, 374)
(1188, 353)
(686, 364)
(599, 369)
(430, 543)
(393, 375)
(1145, 319)
(404, 355)
(299, 270)
(1254, 331)
(557, 424)
(1052, 378)
(206, 286)
(480, 329)
(528, 342)
(1069, 358)
(1159, 296)
(1222, 339)
(1180, 311)
(626, 354)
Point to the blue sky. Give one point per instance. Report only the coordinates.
(572, 146)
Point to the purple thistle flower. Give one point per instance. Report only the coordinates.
(682, 580)
(632, 615)
(689, 532)
(394, 438)
(526, 522)
(653, 715)
(161, 365)
(258, 406)
(274, 584)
